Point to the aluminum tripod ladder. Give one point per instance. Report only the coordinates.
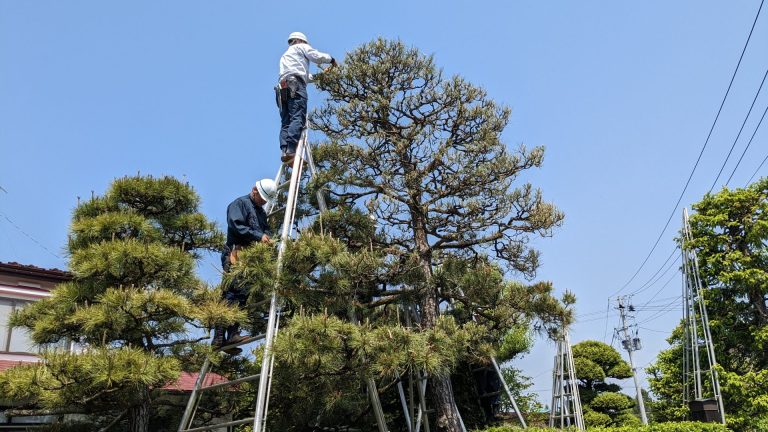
(566, 405)
(697, 319)
(289, 179)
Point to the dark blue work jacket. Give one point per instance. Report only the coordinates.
(246, 222)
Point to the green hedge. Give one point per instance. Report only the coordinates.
(658, 427)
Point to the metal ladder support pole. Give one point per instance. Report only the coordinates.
(261, 399)
(509, 393)
(378, 412)
(422, 385)
(404, 403)
(194, 398)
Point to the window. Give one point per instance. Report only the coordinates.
(16, 339)
(6, 307)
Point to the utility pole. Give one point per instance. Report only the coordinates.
(631, 344)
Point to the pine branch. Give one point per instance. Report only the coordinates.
(180, 342)
(44, 412)
(114, 421)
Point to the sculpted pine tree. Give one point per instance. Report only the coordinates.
(130, 307)
(423, 153)
(604, 405)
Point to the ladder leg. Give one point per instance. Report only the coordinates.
(194, 398)
(264, 380)
(378, 412)
(509, 393)
(423, 403)
(270, 371)
(403, 402)
(313, 171)
(261, 400)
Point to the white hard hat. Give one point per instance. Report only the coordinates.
(297, 35)
(266, 188)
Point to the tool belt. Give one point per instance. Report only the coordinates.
(233, 253)
(286, 89)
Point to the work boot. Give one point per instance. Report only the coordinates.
(219, 340)
(287, 156)
(233, 351)
(218, 337)
(234, 336)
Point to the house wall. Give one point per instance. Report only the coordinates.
(20, 285)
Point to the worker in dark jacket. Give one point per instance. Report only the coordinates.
(246, 224)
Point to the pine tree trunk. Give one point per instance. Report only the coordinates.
(441, 391)
(138, 415)
(755, 295)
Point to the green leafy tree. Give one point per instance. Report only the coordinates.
(409, 273)
(666, 383)
(132, 306)
(603, 404)
(730, 231)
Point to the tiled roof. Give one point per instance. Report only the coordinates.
(31, 270)
(186, 381)
(7, 364)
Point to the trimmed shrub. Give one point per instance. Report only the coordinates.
(658, 427)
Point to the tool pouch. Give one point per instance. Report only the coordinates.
(233, 254)
(278, 97)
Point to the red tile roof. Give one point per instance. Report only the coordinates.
(186, 381)
(7, 364)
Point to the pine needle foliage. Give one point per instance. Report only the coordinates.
(411, 271)
(130, 308)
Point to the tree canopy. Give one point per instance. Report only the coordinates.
(730, 231)
(410, 272)
(131, 306)
(603, 404)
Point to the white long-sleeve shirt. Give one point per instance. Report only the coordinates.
(295, 61)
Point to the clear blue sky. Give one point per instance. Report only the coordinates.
(622, 94)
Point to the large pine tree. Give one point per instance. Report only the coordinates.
(132, 307)
(410, 272)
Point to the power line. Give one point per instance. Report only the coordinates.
(18, 228)
(758, 169)
(655, 331)
(649, 284)
(698, 159)
(722, 167)
(607, 311)
(747, 147)
(660, 301)
(662, 287)
(661, 312)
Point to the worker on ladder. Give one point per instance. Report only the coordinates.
(246, 224)
(292, 91)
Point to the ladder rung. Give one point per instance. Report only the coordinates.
(290, 165)
(276, 211)
(220, 425)
(491, 394)
(229, 383)
(242, 342)
(284, 185)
